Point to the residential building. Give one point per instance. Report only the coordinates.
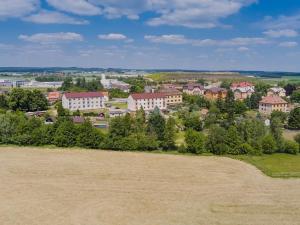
(147, 101)
(83, 100)
(193, 89)
(276, 91)
(53, 96)
(173, 96)
(37, 84)
(241, 93)
(215, 93)
(243, 84)
(272, 103)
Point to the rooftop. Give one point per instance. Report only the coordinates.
(84, 95)
(241, 84)
(148, 95)
(273, 100)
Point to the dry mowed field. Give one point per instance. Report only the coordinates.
(64, 187)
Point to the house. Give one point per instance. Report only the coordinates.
(193, 89)
(272, 103)
(53, 96)
(6, 83)
(83, 100)
(147, 101)
(276, 91)
(173, 96)
(243, 84)
(117, 112)
(215, 93)
(241, 93)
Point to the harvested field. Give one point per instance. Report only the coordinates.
(75, 187)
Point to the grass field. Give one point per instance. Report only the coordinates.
(74, 187)
(276, 165)
(195, 76)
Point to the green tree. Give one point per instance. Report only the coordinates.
(61, 112)
(296, 97)
(269, 144)
(195, 141)
(3, 101)
(240, 107)
(88, 136)
(233, 139)
(169, 135)
(192, 120)
(297, 138)
(276, 131)
(294, 119)
(66, 134)
(216, 141)
(156, 124)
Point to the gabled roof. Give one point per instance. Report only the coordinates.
(277, 89)
(137, 96)
(245, 89)
(241, 84)
(193, 86)
(216, 90)
(273, 100)
(84, 95)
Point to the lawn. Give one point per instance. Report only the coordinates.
(276, 165)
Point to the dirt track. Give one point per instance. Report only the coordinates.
(55, 187)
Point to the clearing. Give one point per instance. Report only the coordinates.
(76, 187)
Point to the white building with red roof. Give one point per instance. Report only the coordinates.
(83, 100)
(147, 101)
(243, 84)
(272, 103)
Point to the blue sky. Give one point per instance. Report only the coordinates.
(152, 34)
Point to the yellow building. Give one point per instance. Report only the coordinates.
(272, 103)
(173, 96)
(215, 93)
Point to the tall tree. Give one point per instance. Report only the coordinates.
(294, 119)
(195, 141)
(169, 135)
(156, 124)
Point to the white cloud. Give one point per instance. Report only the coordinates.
(80, 7)
(17, 8)
(281, 33)
(50, 38)
(181, 39)
(288, 44)
(115, 37)
(49, 17)
(243, 49)
(188, 13)
(112, 36)
(168, 39)
(282, 22)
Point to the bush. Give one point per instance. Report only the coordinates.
(195, 141)
(245, 148)
(297, 138)
(291, 147)
(268, 144)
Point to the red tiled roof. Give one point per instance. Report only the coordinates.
(273, 100)
(148, 95)
(242, 84)
(53, 95)
(84, 95)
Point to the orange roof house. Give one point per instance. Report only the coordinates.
(215, 93)
(272, 103)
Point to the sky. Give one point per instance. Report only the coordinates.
(151, 34)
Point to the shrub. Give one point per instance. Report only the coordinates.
(268, 144)
(245, 148)
(291, 147)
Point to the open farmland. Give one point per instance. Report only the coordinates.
(182, 76)
(75, 187)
